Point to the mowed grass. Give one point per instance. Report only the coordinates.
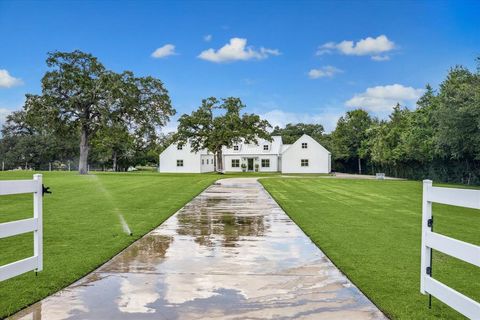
(372, 231)
(82, 228)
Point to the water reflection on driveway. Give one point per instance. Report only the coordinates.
(231, 253)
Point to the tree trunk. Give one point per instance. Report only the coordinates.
(359, 166)
(114, 159)
(215, 162)
(219, 161)
(84, 148)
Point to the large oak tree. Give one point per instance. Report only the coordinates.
(80, 94)
(218, 123)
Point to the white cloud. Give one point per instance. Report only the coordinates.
(384, 98)
(374, 47)
(327, 71)
(278, 117)
(165, 51)
(237, 50)
(208, 38)
(7, 81)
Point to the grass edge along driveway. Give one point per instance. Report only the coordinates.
(82, 229)
(372, 231)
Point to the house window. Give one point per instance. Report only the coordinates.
(235, 163)
(207, 161)
(179, 146)
(203, 161)
(304, 162)
(235, 148)
(304, 145)
(265, 163)
(265, 147)
(179, 163)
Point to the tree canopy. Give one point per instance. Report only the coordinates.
(79, 95)
(292, 132)
(218, 123)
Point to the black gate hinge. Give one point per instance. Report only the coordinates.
(45, 190)
(429, 271)
(430, 222)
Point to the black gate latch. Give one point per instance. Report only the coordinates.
(430, 222)
(45, 190)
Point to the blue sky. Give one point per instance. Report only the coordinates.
(288, 61)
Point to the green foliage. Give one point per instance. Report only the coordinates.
(81, 97)
(440, 139)
(217, 123)
(349, 136)
(292, 132)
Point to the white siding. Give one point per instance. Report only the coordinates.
(318, 157)
(257, 160)
(207, 164)
(227, 160)
(289, 161)
(191, 160)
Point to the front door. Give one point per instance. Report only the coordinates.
(250, 164)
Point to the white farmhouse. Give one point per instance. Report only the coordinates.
(304, 156)
(181, 158)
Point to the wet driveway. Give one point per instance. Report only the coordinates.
(231, 253)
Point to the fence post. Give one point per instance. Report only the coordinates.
(37, 214)
(426, 251)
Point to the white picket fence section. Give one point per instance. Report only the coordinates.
(34, 225)
(434, 241)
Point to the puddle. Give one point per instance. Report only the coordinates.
(231, 253)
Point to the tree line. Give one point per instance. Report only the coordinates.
(87, 114)
(439, 139)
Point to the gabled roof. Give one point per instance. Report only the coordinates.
(274, 147)
(298, 141)
(285, 147)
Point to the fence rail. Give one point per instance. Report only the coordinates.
(34, 225)
(434, 241)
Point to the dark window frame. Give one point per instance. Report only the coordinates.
(265, 163)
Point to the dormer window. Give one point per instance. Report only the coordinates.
(304, 145)
(179, 146)
(235, 148)
(265, 147)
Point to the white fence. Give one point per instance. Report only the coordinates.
(453, 247)
(34, 225)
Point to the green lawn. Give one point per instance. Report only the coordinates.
(81, 225)
(372, 229)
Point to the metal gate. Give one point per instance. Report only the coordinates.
(434, 241)
(34, 225)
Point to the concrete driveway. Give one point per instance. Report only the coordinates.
(231, 253)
